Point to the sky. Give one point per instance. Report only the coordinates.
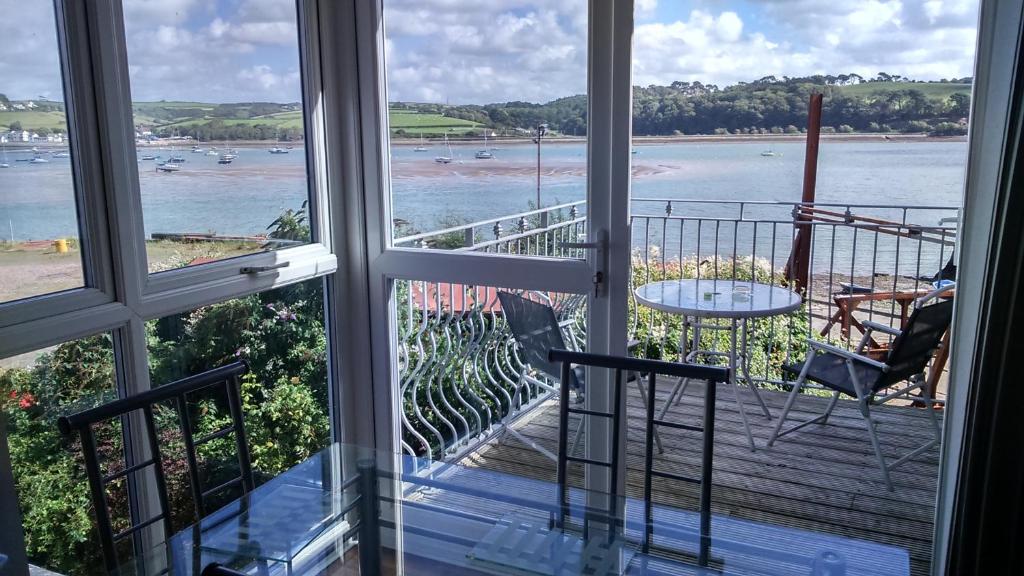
(463, 51)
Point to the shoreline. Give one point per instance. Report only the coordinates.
(700, 138)
(403, 141)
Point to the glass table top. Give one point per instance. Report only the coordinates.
(718, 298)
(430, 518)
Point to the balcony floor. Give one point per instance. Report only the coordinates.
(821, 478)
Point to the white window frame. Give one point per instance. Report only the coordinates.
(120, 289)
(609, 142)
(88, 181)
(120, 295)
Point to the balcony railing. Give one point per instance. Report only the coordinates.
(458, 362)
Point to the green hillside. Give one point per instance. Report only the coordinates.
(938, 90)
(33, 120)
(282, 120)
(416, 123)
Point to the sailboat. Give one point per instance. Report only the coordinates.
(421, 147)
(484, 154)
(445, 159)
(769, 153)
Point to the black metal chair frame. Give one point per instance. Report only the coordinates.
(555, 328)
(82, 423)
(712, 375)
(866, 393)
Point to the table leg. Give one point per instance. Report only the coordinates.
(734, 384)
(684, 356)
(689, 358)
(746, 371)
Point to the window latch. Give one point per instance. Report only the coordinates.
(259, 269)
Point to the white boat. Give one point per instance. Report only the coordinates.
(212, 152)
(421, 147)
(226, 159)
(197, 150)
(149, 157)
(168, 167)
(176, 159)
(39, 160)
(279, 150)
(62, 155)
(769, 153)
(228, 156)
(445, 159)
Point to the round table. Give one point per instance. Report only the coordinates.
(735, 300)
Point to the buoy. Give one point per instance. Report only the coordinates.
(60, 245)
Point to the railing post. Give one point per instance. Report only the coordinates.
(521, 225)
(544, 219)
(497, 230)
(468, 238)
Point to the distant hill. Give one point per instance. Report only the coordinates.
(768, 105)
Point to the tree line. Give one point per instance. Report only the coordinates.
(890, 103)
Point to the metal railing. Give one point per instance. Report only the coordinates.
(459, 364)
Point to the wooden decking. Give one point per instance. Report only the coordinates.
(821, 478)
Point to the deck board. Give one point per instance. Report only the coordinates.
(821, 478)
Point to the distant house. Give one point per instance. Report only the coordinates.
(19, 136)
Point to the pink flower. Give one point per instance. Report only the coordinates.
(27, 401)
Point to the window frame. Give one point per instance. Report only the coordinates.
(88, 180)
(121, 295)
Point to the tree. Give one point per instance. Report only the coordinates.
(15, 126)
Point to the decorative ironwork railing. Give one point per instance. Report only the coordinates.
(459, 366)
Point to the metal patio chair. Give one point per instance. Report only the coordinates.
(203, 497)
(569, 362)
(854, 374)
(537, 331)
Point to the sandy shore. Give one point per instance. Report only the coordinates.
(723, 138)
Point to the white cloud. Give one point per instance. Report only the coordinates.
(500, 50)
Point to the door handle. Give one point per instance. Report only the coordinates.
(599, 245)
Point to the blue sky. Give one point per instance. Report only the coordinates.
(463, 51)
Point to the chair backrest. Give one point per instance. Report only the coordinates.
(622, 365)
(535, 327)
(913, 348)
(178, 392)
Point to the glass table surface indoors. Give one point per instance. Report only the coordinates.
(434, 518)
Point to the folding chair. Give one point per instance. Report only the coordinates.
(537, 331)
(856, 375)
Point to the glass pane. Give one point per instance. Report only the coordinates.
(281, 335)
(463, 371)
(718, 170)
(39, 233)
(217, 102)
(488, 120)
(49, 472)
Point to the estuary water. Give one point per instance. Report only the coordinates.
(244, 197)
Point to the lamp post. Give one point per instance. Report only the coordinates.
(542, 129)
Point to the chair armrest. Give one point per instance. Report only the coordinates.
(881, 328)
(847, 354)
